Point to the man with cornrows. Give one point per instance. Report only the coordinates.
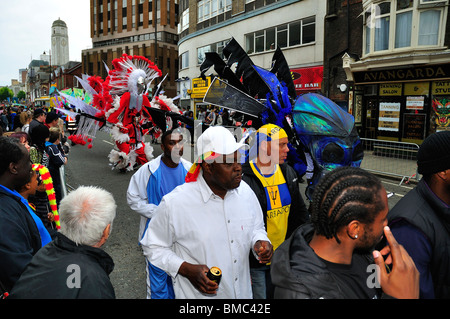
(333, 257)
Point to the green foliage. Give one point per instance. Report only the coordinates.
(21, 95)
(5, 93)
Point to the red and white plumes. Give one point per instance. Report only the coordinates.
(126, 72)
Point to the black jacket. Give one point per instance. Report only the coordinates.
(298, 213)
(64, 270)
(19, 239)
(298, 273)
(424, 210)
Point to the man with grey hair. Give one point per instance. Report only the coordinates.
(73, 266)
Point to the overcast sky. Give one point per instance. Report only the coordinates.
(25, 32)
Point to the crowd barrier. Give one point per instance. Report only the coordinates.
(396, 159)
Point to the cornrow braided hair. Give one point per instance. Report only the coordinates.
(343, 195)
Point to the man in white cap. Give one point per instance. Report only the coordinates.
(213, 220)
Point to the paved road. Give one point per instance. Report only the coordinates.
(91, 167)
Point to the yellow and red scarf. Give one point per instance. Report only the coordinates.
(192, 175)
(48, 182)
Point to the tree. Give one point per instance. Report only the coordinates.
(5, 93)
(21, 95)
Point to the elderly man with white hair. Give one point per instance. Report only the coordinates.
(73, 266)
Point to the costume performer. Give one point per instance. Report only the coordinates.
(315, 125)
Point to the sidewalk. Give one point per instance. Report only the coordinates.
(390, 166)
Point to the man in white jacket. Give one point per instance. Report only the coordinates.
(146, 189)
(214, 219)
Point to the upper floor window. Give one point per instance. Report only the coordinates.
(184, 60)
(207, 9)
(213, 47)
(396, 24)
(184, 21)
(285, 35)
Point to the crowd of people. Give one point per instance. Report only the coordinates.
(248, 219)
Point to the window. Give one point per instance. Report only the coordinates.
(282, 36)
(429, 27)
(287, 35)
(294, 33)
(207, 9)
(184, 60)
(403, 26)
(184, 21)
(308, 30)
(382, 18)
(214, 47)
(389, 25)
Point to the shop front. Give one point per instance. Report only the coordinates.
(404, 104)
(199, 87)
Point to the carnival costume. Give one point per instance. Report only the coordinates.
(122, 104)
(314, 124)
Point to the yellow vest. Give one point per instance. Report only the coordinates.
(278, 204)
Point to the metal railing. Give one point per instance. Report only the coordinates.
(397, 159)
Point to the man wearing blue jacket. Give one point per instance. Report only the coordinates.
(22, 233)
(146, 189)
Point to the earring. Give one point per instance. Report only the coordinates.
(356, 236)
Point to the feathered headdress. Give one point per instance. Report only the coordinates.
(127, 70)
(48, 182)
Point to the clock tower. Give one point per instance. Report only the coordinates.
(60, 43)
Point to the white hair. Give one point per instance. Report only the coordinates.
(85, 213)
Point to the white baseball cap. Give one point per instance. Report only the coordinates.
(219, 140)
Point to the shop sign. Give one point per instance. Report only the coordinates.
(417, 88)
(441, 71)
(441, 88)
(415, 102)
(391, 89)
(200, 87)
(389, 117)
(414, 127)
(307, 79)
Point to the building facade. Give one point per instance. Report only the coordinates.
(60, 43)
(135, 27)
(38, 79)
(395, 65)
(259, 26)
(64, 77)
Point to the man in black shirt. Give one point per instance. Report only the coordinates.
(331, 257)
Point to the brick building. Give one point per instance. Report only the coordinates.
(130, 26)
(64, 76)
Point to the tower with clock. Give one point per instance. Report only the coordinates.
(60, 43)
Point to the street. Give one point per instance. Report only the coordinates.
(91, 167)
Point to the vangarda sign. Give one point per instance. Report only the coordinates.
(429, 72)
